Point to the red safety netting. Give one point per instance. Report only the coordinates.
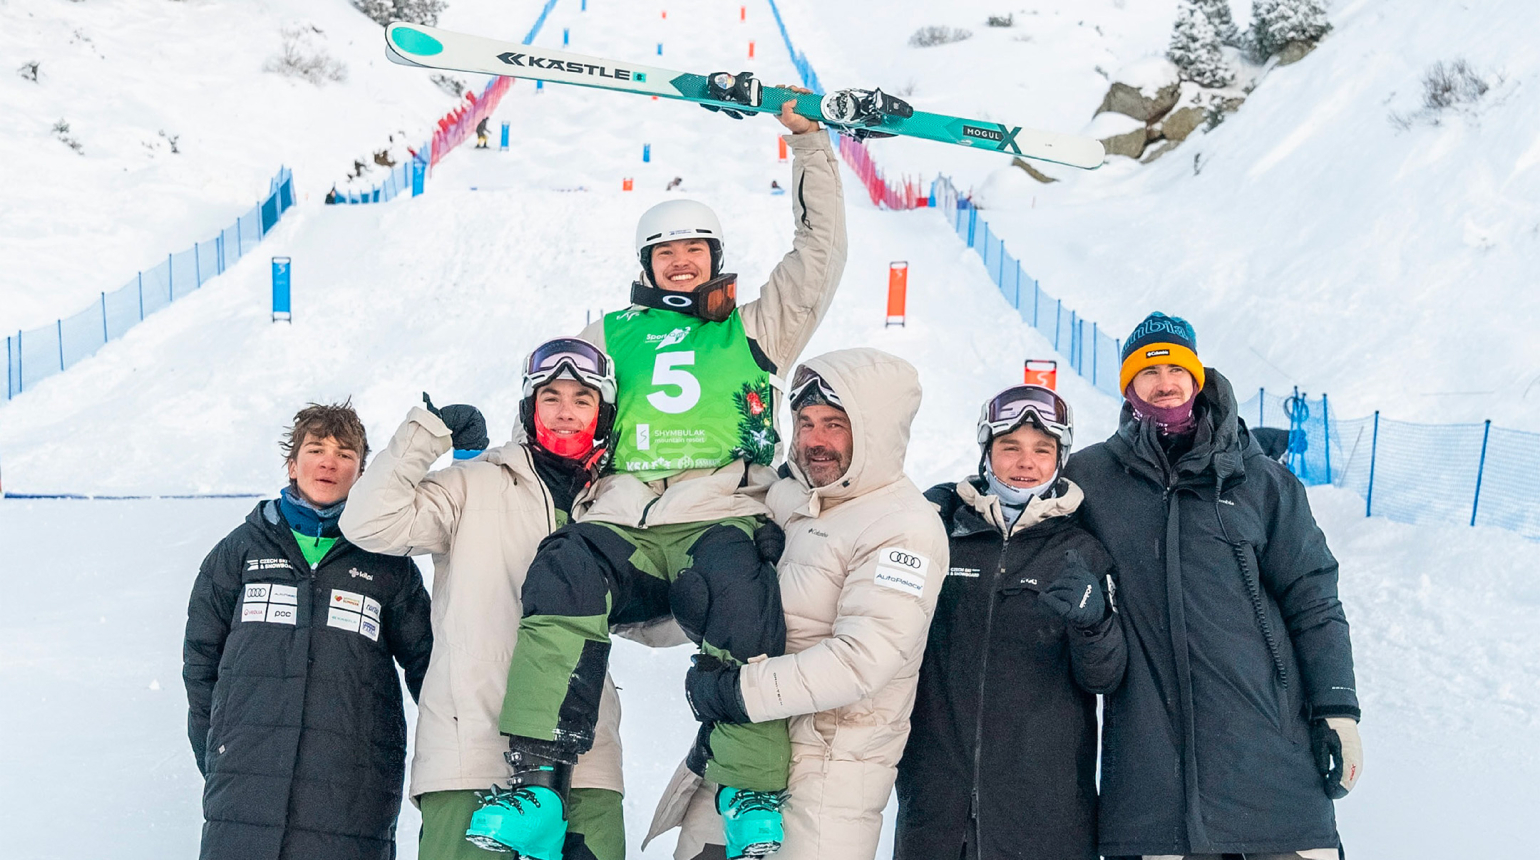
(904, 194)
(460, 124)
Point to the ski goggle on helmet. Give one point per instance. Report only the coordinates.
(574, 358)
(1021, 404)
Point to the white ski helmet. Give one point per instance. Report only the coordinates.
(673, 220)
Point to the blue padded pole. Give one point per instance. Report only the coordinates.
(1486, 433)
(1374, 449)
(1326, 423)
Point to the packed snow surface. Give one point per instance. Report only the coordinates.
(1317, 244)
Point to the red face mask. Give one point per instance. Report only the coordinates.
(572, 447)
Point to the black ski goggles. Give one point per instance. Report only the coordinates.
(1007, 410)
(713, 301)
(808, 388)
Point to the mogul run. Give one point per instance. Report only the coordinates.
(852, 634)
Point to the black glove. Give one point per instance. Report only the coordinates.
(467, 429)
(1075, 595)
(770, 540)
(711, 687)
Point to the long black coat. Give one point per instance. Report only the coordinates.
(1236, 639)
(294, 705)
(1002, 745)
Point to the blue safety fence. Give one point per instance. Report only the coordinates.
(39, 353)
(398, 181)
(1089, 351)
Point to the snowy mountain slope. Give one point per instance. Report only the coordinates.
(446, 292)
(121, 73)
(1318, 244)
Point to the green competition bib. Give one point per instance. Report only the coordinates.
(691, 395)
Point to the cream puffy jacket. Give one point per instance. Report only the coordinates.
(790, 306)
(482, 520)
(864, 562)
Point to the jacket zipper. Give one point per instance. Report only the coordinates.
(978, 728)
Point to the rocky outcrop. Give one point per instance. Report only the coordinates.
(1293, 52)
(1133, 102)
(1182, 122)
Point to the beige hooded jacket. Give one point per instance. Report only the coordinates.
(482, 520)
(864, 562)
(781, 321)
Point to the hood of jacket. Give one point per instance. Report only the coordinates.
(1219, 448)
(881, 394)
(987, 512)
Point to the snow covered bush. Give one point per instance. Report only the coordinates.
(1218, 13)
(382, 12)
(453, 86)
(1001, 20)
(61, 130)
(1448, 86)
(1276, 23)
(927, 37)
(1195, 48)
(303, 58)
(28, 70)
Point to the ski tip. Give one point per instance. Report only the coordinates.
(408, 40)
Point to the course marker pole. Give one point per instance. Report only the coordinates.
(281, 271)
(898, 289)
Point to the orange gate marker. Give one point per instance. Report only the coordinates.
(1041, 371)
(751, 50)
(626, 185)
(898, 289)
(780, 148)
(743, 13)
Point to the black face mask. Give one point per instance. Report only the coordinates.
(713, 301)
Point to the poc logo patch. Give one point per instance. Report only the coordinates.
(271, 603)
(1156, 353)
(902, 570)
(348, 610)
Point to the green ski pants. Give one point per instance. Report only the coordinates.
(587, 577)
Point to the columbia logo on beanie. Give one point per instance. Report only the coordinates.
(1160, 339)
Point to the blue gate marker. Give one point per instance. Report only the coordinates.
(420, 173)
(281, 290)
(646, 152)
(505, 136)
(566, 37)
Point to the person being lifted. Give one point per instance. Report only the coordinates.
(679, 526)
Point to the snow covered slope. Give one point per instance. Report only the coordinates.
(1313, 242)
(446, 293)
(134, 79)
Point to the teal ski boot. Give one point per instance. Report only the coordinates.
(529, 817)
(751, 820)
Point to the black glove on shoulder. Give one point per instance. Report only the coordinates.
(467, 428)
(711, 687)
(1075, 595)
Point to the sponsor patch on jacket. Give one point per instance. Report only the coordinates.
(902, 570)
(971, 572)
(351, 611)
(270, 602)
(253, 564)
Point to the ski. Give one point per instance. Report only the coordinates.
(863, 113)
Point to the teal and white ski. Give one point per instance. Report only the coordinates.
(863, 112)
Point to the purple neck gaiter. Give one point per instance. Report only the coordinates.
(1169, 420)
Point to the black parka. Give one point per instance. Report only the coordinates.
(1228, 597)
(1001, 754)
(294, 705)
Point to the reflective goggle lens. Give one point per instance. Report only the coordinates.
(1009, 406)
(582, 355)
